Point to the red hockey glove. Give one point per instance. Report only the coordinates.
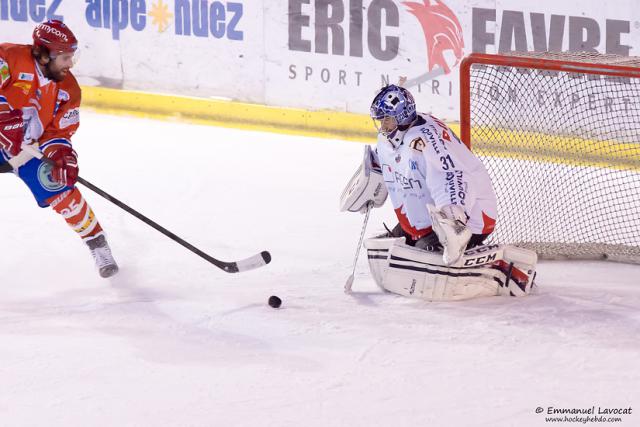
(65, 170)
(11, 131)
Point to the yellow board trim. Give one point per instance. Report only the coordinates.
(354, 127)
(324, 124)
(541, 147)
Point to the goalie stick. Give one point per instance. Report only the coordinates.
(250, 263)
(349, 282)
(429, 75)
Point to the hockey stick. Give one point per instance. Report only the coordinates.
(349, 283)
(250, 263)
(15, 162)
(429, 75)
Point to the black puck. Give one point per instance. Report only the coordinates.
(274, 301)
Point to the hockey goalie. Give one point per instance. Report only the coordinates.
(445, 205)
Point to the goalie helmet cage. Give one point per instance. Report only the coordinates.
(560, 136)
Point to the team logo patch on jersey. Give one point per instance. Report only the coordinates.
(27, 77)
(26, 87)
(70, 118)
(44, 177)
(63, 96)
(417, 144)
(4, 71)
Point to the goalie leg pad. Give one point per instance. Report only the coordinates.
(378, 256)
(416, 273)
(523, 269)
(485, 271)
(513, 268)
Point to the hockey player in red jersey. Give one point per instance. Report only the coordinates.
(39, 102)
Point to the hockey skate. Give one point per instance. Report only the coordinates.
(101, 253)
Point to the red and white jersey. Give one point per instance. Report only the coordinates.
(428, 164)
(50, 109)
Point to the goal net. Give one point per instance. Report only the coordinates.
(560, 136)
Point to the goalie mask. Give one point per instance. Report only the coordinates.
(392, 108)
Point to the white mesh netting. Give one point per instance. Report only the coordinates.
(563, 152)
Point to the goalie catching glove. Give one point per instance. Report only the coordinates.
(367, 185)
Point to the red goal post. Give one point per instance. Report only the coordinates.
(560, 136)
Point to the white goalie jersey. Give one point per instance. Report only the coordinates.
(429, 165)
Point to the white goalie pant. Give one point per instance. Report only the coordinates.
(482, 271)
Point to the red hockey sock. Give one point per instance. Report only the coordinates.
(77, 213)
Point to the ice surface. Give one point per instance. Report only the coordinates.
(174, 341)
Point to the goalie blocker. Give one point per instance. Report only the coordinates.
(482, 271)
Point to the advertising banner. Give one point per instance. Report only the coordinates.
(185, 47)
(339, 52)
(314, 54)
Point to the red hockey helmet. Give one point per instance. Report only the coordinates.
(55, 36)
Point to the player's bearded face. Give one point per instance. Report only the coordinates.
(387, 125)
(59, 66)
